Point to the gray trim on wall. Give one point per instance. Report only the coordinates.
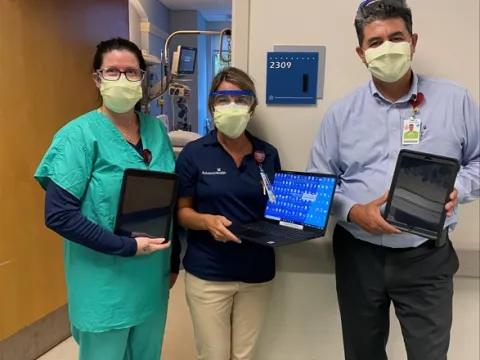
(35, 340)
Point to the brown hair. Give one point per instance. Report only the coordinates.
(236, 77)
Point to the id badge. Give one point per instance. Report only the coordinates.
(411, 132)
(267, 185)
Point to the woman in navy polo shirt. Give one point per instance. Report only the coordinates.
(228, 283)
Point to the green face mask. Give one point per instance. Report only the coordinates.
(231, 120)
(390, 61)
(121, 96)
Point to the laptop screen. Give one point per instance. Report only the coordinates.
(301, 199)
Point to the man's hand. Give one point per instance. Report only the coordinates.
(453, 202)
(369, 218)
(173, 279)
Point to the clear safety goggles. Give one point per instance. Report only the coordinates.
(238, 97)
(364, 5)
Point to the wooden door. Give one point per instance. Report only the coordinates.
(46, 54)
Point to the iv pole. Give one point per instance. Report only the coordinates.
(162, 86)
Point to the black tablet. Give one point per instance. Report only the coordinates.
(147, 203)
(420, 189)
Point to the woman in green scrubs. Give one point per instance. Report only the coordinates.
(118, 286)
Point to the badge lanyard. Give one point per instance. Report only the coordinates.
(412, 127)
(267, 186)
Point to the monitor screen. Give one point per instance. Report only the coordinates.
(302, 199)
(421, 188)
(187, 60)
(146, 206)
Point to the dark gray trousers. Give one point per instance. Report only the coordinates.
(418, 281)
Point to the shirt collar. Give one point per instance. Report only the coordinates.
(212, 140)
(412, 93)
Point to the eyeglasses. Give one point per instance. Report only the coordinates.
(113, 74)
(239, 97)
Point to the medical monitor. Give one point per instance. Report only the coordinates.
(184, 60)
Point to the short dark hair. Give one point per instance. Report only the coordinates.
(382, 10)
(117, 44)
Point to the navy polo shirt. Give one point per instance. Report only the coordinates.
(210, 175)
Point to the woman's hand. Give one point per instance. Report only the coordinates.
(217, 225)
(147, 246)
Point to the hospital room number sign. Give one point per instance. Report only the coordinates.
(292, 78)
(285, 62)
(280, 64)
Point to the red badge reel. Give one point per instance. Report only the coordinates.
(416, 102)
(259, 157)
(147, 157)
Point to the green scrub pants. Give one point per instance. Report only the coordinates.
(141, 342)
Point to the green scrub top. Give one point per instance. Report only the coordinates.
(87, 158)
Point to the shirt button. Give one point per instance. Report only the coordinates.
(394, 153)
(394, 129)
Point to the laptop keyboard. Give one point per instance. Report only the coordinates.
(278, 231)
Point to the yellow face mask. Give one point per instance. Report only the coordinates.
(390, 61)
(121, 96)
(231, 120)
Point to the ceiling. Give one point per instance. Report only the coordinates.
(211, 10)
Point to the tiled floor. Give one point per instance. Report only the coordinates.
(68, 350)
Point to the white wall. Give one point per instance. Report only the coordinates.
(134, 25)
(202, 70)
(303, 321)
(213, 44)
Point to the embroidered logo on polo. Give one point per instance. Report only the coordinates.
(218, 172)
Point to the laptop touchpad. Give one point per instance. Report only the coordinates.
(247, 233)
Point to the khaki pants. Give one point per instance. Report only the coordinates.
(227, 317)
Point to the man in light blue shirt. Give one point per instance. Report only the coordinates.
(359, 140)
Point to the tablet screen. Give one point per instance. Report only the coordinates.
(419, 197)
(146, 206)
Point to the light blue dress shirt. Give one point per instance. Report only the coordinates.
(361, 136)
